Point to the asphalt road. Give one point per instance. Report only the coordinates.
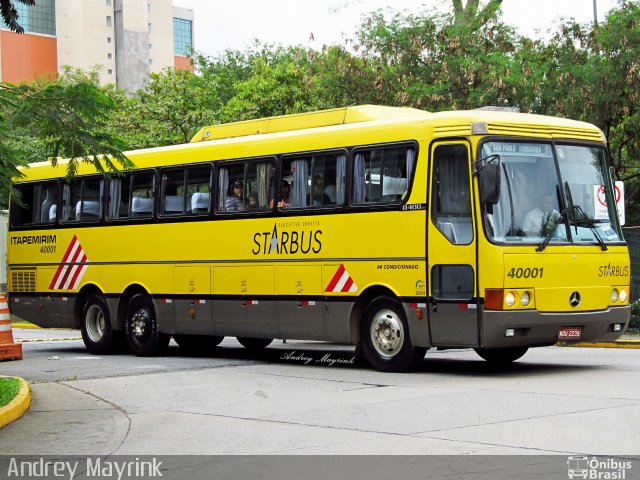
(310, 398)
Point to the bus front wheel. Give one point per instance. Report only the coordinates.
(95, 326)
(141, 328)
(384, 337)
(501, 356)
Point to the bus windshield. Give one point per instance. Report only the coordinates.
(551, 193)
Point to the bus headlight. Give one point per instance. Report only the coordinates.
(510, 299)
(614, 295)
(525, 299)
(623, 295)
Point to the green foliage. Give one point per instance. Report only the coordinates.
(280, 83)
(69, 117)
(429, 61)
(168, 110)
(594, 75)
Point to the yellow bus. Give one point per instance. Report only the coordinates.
(394, 229)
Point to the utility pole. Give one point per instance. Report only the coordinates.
(595, 12)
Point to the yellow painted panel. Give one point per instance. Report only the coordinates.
(405, 278)
(547, 269)
(244, 280)
(298, 280)
(557, 299)
(192, 280)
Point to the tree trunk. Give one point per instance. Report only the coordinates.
(468, 14)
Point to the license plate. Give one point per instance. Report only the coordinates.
(569, 333)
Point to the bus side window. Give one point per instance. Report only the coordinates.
(82, 200)
(245, 186)
(118, 202)
(39, 201)
(197, 188)
(172, 192)
(382, 175)
(141, 196)
(315, 181)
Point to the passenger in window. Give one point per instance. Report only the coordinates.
(285, 196)
(253, 201)
(234, 201)
(318, 197)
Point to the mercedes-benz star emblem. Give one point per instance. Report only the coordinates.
(574, 299)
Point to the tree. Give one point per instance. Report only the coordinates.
(171, 107)
(10, 14)
(65, 119)
(59, 118)
(594, 75)
(429, 60)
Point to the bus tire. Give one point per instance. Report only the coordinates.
(197, 343)
(95, 326)
(385, 339)
(141, 328)
(501, 356)
(254, 343)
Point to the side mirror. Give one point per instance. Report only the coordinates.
(488, 171)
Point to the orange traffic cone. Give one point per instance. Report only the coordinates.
(8, 349)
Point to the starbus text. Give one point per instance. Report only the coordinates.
(287, 243)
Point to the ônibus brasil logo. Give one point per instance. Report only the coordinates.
(597, 469)
(72, 268)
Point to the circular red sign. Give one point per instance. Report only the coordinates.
(602, 197)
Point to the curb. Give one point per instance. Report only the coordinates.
(616, 344)
(23, 325)
(16, 407)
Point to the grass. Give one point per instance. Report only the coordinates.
(9, 388)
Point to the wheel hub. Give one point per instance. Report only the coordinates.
(96, 323)
(387, 333)
(139, 323)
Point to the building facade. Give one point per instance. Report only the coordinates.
(127, 39)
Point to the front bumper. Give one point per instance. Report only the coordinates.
(533, 328)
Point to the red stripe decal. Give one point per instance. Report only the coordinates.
(71, 267)
(83, 260)
(336, 278)
(347, 285)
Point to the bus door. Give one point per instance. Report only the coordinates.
(451, 248)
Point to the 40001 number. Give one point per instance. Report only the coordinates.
(48, 249)
(527, 272)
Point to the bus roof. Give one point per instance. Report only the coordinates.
(301, 121)
(301, 132)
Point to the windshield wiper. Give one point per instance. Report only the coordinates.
(560, 219)
(584, 220)
(579, 218)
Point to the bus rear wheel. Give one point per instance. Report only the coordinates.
(254, 343)
(95, 326)
(197, 343)
(141, 328)
(384, 337)
(501, 356)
